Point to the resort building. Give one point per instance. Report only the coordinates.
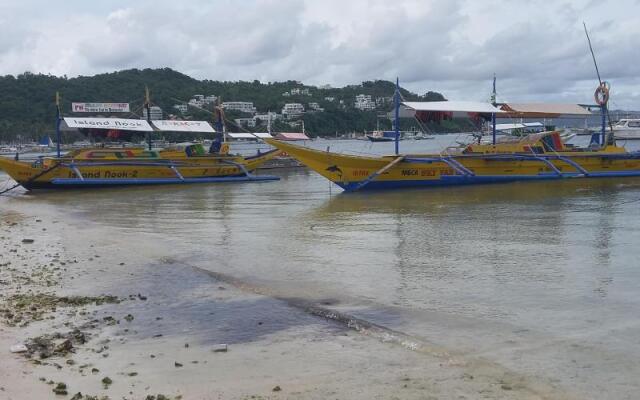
(264, 118)
(315, 107)
(292, 110)
(364, 102)
(248, 122)
(196, 103)
(156, 113)
(182, 108)
(300, 92)
(242, 106)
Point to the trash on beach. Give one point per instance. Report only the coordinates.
(18, 348)
(220, 348)
(28, 240)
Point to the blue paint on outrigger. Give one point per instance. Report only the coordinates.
(459, 180)
(75, 182)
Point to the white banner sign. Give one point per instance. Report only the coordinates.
(100, 107)
(183, 126)
(109, 123)
(254, 135)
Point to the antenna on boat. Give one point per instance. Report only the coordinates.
(58, 120)
(147, 107)
(493, 115)
(601, 95)
(396, 120)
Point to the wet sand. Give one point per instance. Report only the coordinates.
(162, 335)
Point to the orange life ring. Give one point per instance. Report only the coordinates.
(601, 94)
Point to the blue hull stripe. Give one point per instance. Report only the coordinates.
(454, 180)
(157, 181)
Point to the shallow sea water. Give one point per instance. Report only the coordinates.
(541, 277)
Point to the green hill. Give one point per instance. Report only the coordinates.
(27, 101)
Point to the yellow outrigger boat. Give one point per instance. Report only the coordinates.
(535, 157)
(98, 167)
(108, 167)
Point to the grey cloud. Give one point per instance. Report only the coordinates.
(537, 49)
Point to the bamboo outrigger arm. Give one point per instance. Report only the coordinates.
(377, 173)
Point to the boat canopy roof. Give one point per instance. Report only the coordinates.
(453, 106)
(292, 136)
(140, 125)
(541, 110)
(243, 135)
(519, 126)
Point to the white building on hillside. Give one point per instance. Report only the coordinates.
(364, 102)
(292, 110)
(156, 113)
(265, 117)
(315, 107)
(183, 108)
(300, 92)
(196, 103)
(245, 122)
(242, 106)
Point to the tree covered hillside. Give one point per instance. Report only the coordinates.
(27, 109)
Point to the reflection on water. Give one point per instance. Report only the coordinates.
(478, 250)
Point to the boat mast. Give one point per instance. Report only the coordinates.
(147, 106)
(58, 120)
(396, 120)
(603, 107)
(493, 115)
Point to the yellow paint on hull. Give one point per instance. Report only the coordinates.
(480, 164)
(136, 164)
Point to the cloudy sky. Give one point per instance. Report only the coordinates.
(537, 48)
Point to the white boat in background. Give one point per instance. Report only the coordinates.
(8, 150)
(421, 136)
(519, 129)
(627, 129)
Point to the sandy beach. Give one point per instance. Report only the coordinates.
(98, 319)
